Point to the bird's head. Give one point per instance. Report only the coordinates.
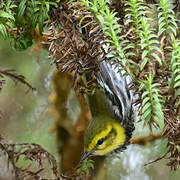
(103, 136)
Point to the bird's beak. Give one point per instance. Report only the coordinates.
(85, 155)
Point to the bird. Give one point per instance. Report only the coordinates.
(112, 124)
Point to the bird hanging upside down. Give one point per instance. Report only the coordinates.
(112, 111)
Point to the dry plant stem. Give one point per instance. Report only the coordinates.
(144, 140)
(68, 131)
(73, 51)
(15, 77)
(33, 153)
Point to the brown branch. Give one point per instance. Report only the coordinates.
(158, 159)
(2, 82)
(32, 152)
(144, 140)
(15, 77)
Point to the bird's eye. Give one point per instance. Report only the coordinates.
(100, 141)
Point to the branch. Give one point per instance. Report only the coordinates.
(15, 77)
(144, 140)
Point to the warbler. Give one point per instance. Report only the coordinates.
(112, 111)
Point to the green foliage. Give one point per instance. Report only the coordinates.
(134, 11)
(146, 36)
(85, 166)
(7, 19)
(149, 43)
(23, 16)
(151, 103)
(166, 19)
(33, 13)
(175, 65)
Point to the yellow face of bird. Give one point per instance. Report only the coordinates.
(105, 139)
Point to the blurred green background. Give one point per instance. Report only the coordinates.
(25, 118)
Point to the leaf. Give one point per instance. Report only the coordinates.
(144, 94)
(143, 63)
(152, 36)
(41, 22)
(145, 100)
(177, 78)
(83, 18)
(21, 10)
(10, 24)
(155, 85)
(157, 49)
(3, 31)
(159, 121)
(162, 25)
(34, 20)
(147, 115)
(175, 65)
(143, 44)
(162, 30)
(53, 4)
(146, 107)
(157, 58)
(173, 29)
(4, 14)
(161, 19)
(153, 41)
(177, 84)
(176, 71)
(128, 54)
(144, 54)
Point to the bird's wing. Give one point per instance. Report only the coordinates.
(116, 89)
